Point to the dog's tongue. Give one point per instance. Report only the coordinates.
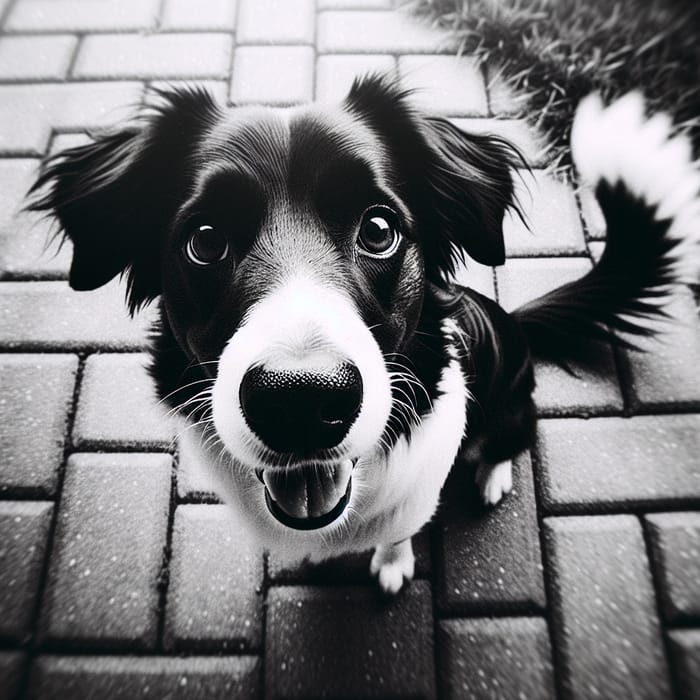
(308, 492)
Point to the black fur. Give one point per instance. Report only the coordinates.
(627, 286)
(112, 197)
(458, 183)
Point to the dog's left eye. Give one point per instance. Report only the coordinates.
(206, 246)
(379, 235)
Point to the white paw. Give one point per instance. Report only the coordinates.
(393, 565)
(494, 482)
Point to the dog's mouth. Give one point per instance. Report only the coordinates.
(309, 496)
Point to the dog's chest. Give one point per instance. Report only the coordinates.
(407, 486)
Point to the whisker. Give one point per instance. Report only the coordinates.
(184, 388)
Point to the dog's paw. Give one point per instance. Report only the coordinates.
(393, 565)
(494, 482)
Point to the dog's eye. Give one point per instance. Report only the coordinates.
(379, 235)
(206, 245)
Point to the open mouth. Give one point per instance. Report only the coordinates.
(310, 496)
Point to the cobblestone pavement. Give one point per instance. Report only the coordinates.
(120, 576)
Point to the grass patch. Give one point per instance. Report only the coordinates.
(552, 53)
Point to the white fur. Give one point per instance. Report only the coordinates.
(393, 564)
(392, 496)
(494, 481)
(618, 143)
(302, 322)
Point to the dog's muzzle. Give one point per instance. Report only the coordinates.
(300, 414)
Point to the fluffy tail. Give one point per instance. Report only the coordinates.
(648, 188)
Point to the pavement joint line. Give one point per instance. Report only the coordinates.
(158, 21)
(164, 576)
(576, 511)
(433, 547)
(5, 14)
(314, 44)
(74, 58)
(267, 584)
(584, 223)
(487, 90)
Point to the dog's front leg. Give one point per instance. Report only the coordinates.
(394, 563)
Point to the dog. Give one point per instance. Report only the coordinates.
(309, 333)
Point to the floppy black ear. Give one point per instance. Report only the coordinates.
(114, 197)
(470, 178)
(459, 184)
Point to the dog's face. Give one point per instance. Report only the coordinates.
(300, 256)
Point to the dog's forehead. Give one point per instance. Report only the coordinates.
(319, 132)
(283, 145)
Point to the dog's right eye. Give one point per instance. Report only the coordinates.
(206, 246)
(379, 235)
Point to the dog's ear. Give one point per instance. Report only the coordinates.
(470, 185)
(114, 197)
(459, 184)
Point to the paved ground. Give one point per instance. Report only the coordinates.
(119, 574)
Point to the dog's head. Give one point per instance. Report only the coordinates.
(300, 256)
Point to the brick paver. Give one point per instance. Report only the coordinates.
(618, 463)
(125, 678)
(578, 392)
(354, 4)
(520, 280)
(194, 483)
(478, 656)
(675, 549)
(276, 22)
(67, 15)
(36, 57)
(215, 595)
(11, 669)
(150, 591)
(445, 85)
(554, 224)
(214, 15)
(349, 642)
(117, 407)
(26, 247)
(490, 559)
(477, 276)
(29, 112)
(606, 629)
(376, 32)
(24, 529)
(49, 316)
(36, 401)
(665, 376)
(685, 654)
(103, 582)
(277, 75)
(129, 56)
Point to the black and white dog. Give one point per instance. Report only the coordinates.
(308, 331)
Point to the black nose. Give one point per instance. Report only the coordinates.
(301, 410)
